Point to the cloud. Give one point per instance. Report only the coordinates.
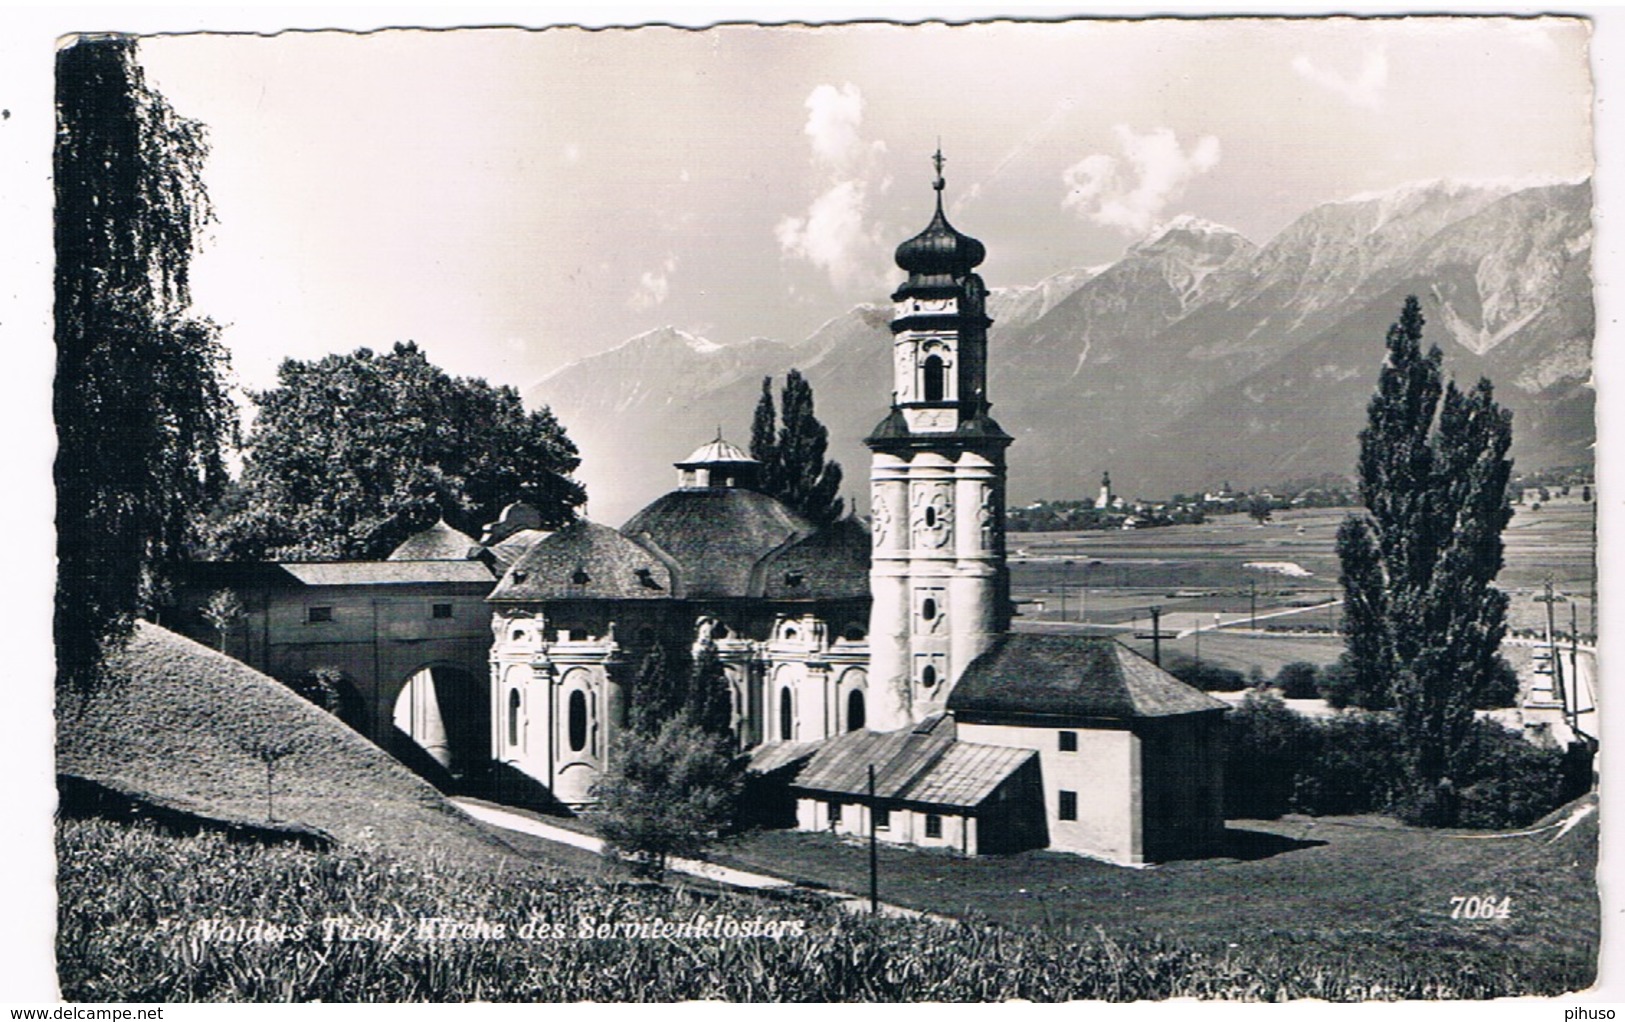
(1363, 89)
(654, 286)
(833, 233)
(1131, 191)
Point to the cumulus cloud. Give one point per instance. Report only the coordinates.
(1364, 88)
(654, 286)
(834, 233)
(1130, 192)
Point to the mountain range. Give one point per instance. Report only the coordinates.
(1197, 358)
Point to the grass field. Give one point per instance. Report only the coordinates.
(145, 916)
(1355, 885)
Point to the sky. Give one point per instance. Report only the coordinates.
(516, 200)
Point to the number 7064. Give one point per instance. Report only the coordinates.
(1475, 907)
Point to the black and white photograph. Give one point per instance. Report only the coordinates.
(956, 509)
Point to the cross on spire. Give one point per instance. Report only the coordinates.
(939, 161)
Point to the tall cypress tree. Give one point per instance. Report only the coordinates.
(764, 441)
(1424, 619)
(141, 406)
(808, 482)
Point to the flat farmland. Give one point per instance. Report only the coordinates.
(1283, 575)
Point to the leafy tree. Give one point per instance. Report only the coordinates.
(794, 468)
(668, 791)
(351, 454)
(710, 699)
(1298, 680)
(1423, 618)
(141, 406)
(1259, 510)
(222, 611)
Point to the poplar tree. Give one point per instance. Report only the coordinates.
(1424, 619)
(808, 482)
(141, 406)
(764, 441)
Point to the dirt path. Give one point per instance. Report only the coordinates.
(725, 875)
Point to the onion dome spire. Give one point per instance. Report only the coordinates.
(939, 255)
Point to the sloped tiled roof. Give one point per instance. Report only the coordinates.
(364, 573)
(923, 765)
(832, 563)
(439, 542)
(584, 560)
(507, 551)
(715, 536)
(1070, 676)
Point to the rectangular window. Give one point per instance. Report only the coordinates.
(882, 819)
(441, 610)
(834, 812)
(933, 825)
(316, 615)
(1069, 741)
(1069, 805)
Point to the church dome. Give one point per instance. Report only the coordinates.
(940, 250)
(939, 254)
(717, 452)
(716, 536)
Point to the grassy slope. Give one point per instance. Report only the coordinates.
(183, 723)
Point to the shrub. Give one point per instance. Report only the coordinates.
(1500, 688)
(1205, 675)
(1509, 782)
(1266, 747)
(1355, 768)
(1338, 684)
(1298, 680)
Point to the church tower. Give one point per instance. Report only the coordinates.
(938, 577)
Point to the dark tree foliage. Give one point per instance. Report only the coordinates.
(1298, 680)
(351, 454)
(809, 482)
(141, 406)
(794, 467)
(764, 440)
(673, 781)
(1424, 619)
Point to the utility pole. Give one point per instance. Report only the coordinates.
(1550, 598)
(1156, 636)
(874, 854)
(1252, 604)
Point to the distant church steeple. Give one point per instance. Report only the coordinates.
(1105, 499)
(938, 576)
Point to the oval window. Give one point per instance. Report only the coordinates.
(930, 517)
(928, 609)
(578, 720)
(928, 677)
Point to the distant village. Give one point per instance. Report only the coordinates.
(1111, 510)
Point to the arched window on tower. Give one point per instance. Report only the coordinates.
(513, 716)
(786, 715)
(936, 379)
(854, 710)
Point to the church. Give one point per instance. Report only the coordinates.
(850, 649)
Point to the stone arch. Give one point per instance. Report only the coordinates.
(445, 710)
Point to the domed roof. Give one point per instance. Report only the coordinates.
(716, 537)
(717, 452)
(585, 560)
(939, 251)
(439, 542)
